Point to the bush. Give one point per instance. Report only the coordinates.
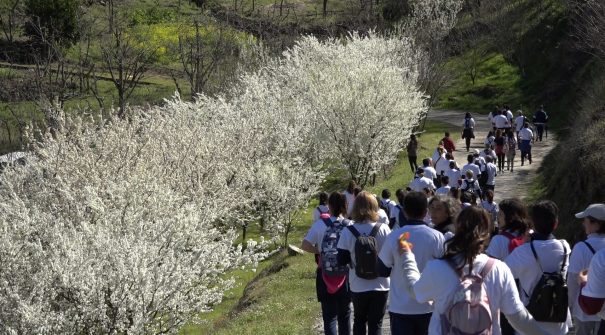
(52, 19)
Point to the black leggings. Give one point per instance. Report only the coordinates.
(413, 163)
(501, 161)
(369, 308)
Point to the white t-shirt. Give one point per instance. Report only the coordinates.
(519, 122)
(595, 287)
(428, 245)
(347, 242)
(382, 216)
(429, 172)
(316, 213)
(498, 246)
(445, 190)
(524, 266)
(490, 153)
(493, 209)
(473, 167)
(438, 282)
(316, 233)
(441, 164)
(526, 134)
(491, 173)
(490, 140)
(350, 200)
(509, 116)
(580, 260)
(454, 175)
(390, 204)
(501, 121)
(419, 184)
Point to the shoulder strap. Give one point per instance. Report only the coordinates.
(565, 257)
(353, 231)
(589, 247)
(328, 222)
(533, 250)
(487, 267)
(375, 229)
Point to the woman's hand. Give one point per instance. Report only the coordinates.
(404, 244)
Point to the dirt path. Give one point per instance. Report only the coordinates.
(508, 184)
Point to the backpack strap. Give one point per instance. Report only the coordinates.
(589, 247)
(354, 231)
(487, 267)
(533, 250)
(565, 257)
(375, 229)
(328, 222)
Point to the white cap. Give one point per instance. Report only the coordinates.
(596, 211)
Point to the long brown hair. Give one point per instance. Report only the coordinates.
(472, 235)
(516, 217)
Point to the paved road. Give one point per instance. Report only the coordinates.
(508, 184)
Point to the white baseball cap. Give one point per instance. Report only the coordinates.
(596, 211)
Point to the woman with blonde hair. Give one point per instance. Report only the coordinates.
(358, 246)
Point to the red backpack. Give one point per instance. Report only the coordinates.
(513, 241)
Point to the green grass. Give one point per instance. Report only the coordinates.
(284, 301)
(497, 83)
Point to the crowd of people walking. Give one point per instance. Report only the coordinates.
(445, 258)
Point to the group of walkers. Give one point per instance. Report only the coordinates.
(445, 258)
(424, 255)
(509, 132)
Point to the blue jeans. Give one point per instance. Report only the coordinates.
(336, 310)
(369, 308)
(410, 324)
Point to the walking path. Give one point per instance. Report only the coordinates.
(508, 184)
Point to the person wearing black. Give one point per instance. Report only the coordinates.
(412, 149)
(540, 119)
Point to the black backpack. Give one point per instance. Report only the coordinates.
(548, 301)
(366, 252)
